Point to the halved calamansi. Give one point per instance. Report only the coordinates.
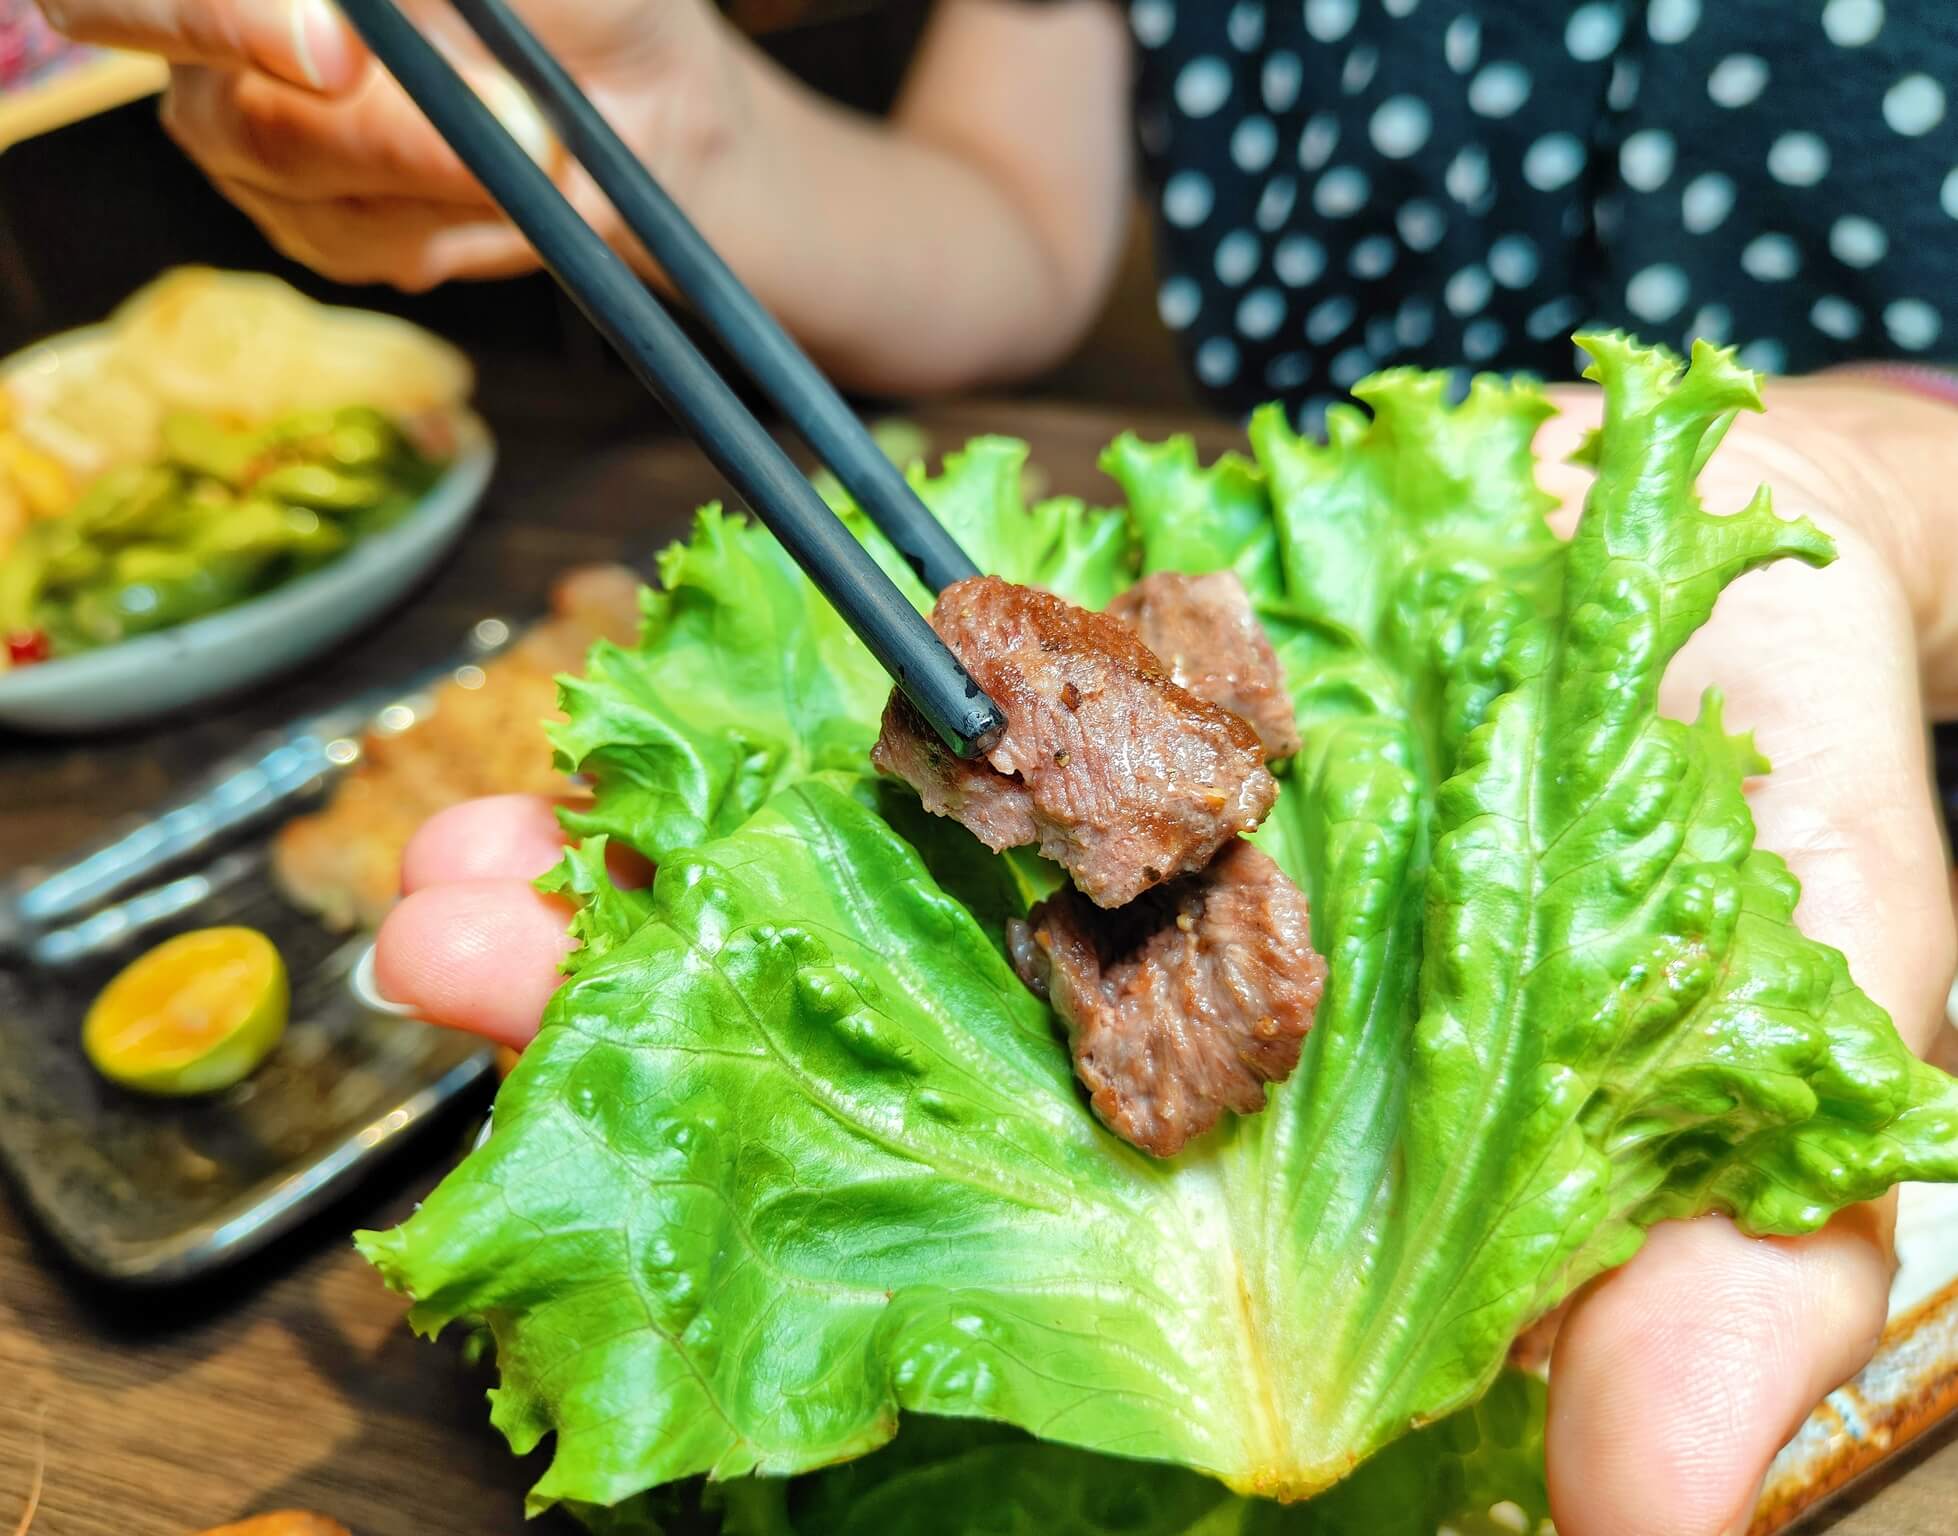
(196, 1014)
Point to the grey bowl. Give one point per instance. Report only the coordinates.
(167, 671)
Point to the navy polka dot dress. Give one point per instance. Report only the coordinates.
(1343, 185)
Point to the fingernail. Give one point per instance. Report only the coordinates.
(319, 41)
(517, 112)
(368, 990)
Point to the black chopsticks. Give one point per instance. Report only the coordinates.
(669, 365)
(754, 337)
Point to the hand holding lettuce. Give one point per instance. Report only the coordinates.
(795, 1152)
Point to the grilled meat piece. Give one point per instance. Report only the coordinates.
(1113, 770)
(1203, 630)
(1184, 1004)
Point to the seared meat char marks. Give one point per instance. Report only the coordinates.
(1185, 1003)
(1107, 765)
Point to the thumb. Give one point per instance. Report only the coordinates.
(304, 42)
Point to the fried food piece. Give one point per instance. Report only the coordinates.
(344, 861)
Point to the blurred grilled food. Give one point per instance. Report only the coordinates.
(481, 738)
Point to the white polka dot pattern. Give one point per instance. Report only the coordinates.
(1672, 21)
(1358, 71)
(1237, 259)
(1467, 176)
(1738, 80)
(1593, 30)
(1373, 258)
(1216, 361)
(1645, 160)
(1706, 202)
(1914, 105)
(1203, 87)
(1513, 261)
(1330, 20)
(1798, 159)
(1711, 322)
(1345, 185)
(1467, 291)
(1179, 301)
(1341, 192)
(1280, 80)
(1421, 224)
(1276, 201)
(1318, 141)
(1328, 320)
(1657, 293)
(1254, 142)
(1852, 23)
(1298, 260)
(1481, 339)
(1836, 317)
(1400, 126)
(1857, 241)
(1261, 313)
(1187, 199)
(1766, 354)
(1352, 365)
(1771, 258)
(1246, 28)
(1152, 22)
(1499, 89)
(1913, 324)
(1553, 161)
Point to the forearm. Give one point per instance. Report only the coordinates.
(970, 238)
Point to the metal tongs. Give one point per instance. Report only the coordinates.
(620, 305)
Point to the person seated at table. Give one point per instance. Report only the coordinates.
(1338, 186)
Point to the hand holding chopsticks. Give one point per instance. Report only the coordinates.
(669, 365)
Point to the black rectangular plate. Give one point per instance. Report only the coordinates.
(159, 1191)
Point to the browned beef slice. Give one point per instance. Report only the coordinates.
(1202, 628)
(1117, 773)
(1185, 1004)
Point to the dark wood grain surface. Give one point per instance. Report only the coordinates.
(292, 1382)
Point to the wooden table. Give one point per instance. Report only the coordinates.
(293, 1381)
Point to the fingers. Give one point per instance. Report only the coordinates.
(476, 955)
(500, 837)
(1820, 665)
(1676, 1379)
(253, 130)
(473, 944)
(408, 245)
(360, 187)
(305, 42)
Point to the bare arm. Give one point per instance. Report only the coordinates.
(970, 239)
(967, 239)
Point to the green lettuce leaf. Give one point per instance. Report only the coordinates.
(1477, 1473)
(795, 1153)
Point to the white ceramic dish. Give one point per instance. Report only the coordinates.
(160, 673)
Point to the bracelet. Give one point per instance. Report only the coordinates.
(1917, 378)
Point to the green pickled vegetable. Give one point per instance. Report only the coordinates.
(196, 442)
(324, 487)
(227, 512)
